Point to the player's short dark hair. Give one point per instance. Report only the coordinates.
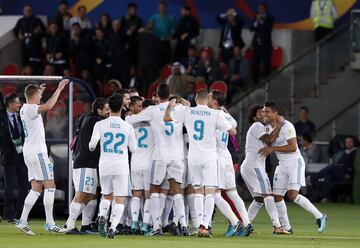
(122, 92)
(115, 102)
(273, 106)
(187, 8)
(148, 102)
(98, 103)
(133, 89)
(252, 112)
(132, 5)
(304, 108)
(202, 94)
(76, 24)
(30, 90)
(264, 4)
(81, 7)
(135, 99)
(10, 99)
(163, 91)
(219, 97)
(307, 137)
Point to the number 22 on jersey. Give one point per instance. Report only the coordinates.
(113, 142)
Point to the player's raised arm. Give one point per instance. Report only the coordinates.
(53, 99)
(268, 139)
(145, 115)
(95, 137)
(169, 108)
(224, 125)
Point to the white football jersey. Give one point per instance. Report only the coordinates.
(143, 157)
(33, 129)
(116, 138)
(253, 144)
(201, 123)
(222, 139)
(168, 136)
(287, 132)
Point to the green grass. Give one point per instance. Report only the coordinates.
(343, 230)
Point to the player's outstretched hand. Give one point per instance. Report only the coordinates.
(172, 103)
(62, 84)
(266, 151)
(43, 87)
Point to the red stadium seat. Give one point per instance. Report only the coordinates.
(165, 72)
(249, 55)
(219, 85)
(200, 86)
(78, 108)
(11, 69)
(223, 70)
(8, 89)
(208, 49)
(276, 57)
(151, 89)
(108, 90)
(58, 105)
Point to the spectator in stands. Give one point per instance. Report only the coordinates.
(262, 42)
(15, 171)
(56, 126)
(238, 72)
(149, 61)
(191, 63)
(119, 58)
(49, 70)
(63, 17)
(29, 30)
(163, 26)
(178, 81)
(81, 47)
(323, 14)
(57, 45)
(135, 81)
(36, 50)
(105, 24)
(133, 92)
(27, 70)
(343, 170)
(131, 23)
(230, 37)
(113, 86)
(88, 77)
(304, 125)
(310, 151)
(102, 55)
(190, 92)
(187, 31)
(208, 67)
(82, 19)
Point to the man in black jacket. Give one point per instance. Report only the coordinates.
(85, 167)
(15, 171)
(230, 37)
(262, 43)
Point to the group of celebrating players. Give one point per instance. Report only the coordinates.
(164, 157)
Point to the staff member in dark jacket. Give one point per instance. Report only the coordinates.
(15, 171)
(85, 167)
(262, 43)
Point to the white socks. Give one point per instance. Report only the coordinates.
(29, 202)
(147, 216)
(167, 209)
(88, 212)
(179, 209)
(254, 209)
(303, 202)
(225, 209)
(283, 216)
(272, 211)
(209, 204)
(199, 209)
(75, 211)
(104, 208)
(135, 208)
(116, 214)
(240, 206)
(190, 203)
(155, 210)
(48, 200)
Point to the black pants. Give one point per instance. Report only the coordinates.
(321, 32)
(262, 56)
(165, 52)
(16, 188)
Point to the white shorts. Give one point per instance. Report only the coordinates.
(163, 170)
(289, 175)
(226, 174)
(39, 167)
(256, 180)
(119, 185)
(204, 175)
(186, 176)
(140, 179)
(85, 180)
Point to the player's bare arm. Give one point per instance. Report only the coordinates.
(53, 99)
(171, 105)
(268, 139)
(290, 147)
(232, 131)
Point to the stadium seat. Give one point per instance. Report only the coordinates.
(208, 49)
(7, 89)
(249, 55)
(78, 108)
(223, 70)
(200, 86)
(219, 85)
(151, 89)
(11, 69)
(108, 87)
(165, 72)
(276, 57)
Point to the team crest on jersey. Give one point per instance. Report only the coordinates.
(291, 132)
(51, 167)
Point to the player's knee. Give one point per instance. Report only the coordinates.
(137, 193)
(155, 188)
(292, 194)
(259, 199)
(278, 198)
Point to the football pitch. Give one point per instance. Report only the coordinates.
(343, 230)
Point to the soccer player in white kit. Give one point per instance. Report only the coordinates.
(226, 175)
(290, 173)
(40, 169)
(253, 168)
(116, 138)
(141, 162)
(168, 160)
(201, 123)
